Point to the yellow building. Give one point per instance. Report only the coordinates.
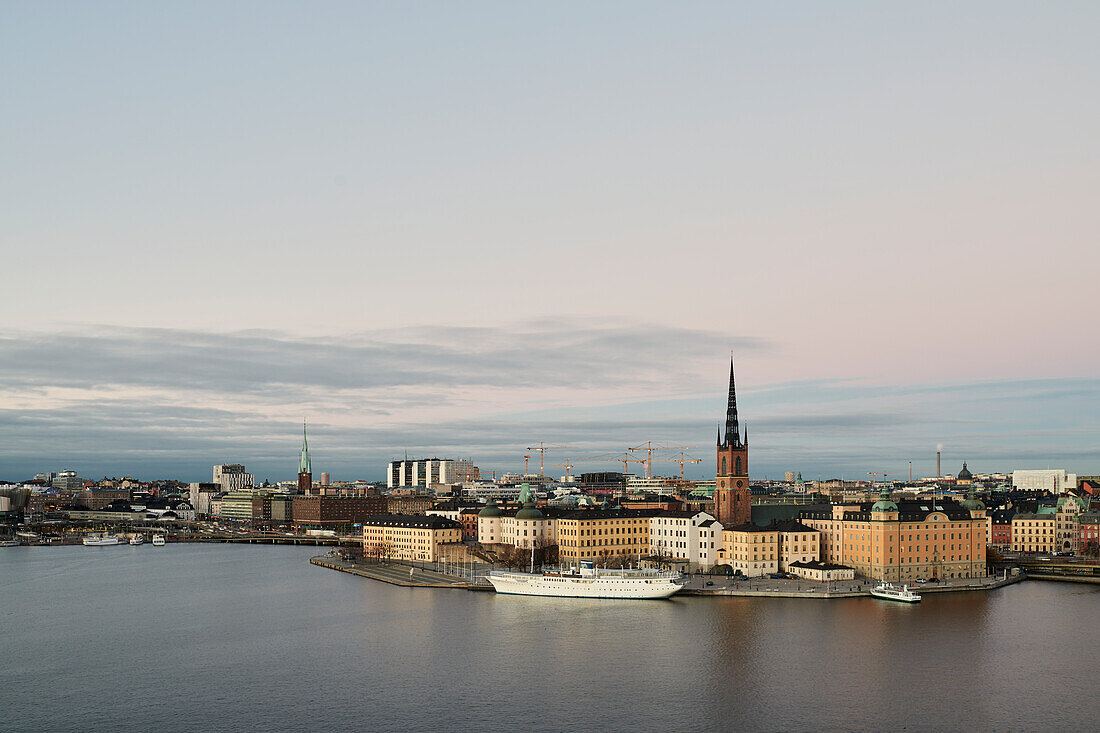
(903, 541)
(771, 549)
(403, 537)
(1035, 532)
(592, 534)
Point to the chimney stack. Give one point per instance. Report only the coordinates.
(938, 474)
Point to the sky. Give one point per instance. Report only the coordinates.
(459, 229)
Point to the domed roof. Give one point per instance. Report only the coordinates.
(884, 505)
(491, 510)
(965, 474)
(529, 511)
(971, 502)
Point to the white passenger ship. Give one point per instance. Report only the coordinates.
(588, 582)
(100, 540)
(889, 592)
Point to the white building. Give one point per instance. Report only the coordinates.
(1055, 480)
(488, 491)
(692, 538)
(232, 477)
(429, 472)
(642, 485)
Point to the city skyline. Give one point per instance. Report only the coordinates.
(461, 231)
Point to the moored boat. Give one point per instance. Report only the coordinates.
(588, 582)
(138, 539)
(158, 540)
(889, 592)
(100, 540)
(10, 543)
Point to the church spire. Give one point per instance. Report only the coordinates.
(303, 461)
(733, 433)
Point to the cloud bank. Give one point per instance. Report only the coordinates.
(170, 403)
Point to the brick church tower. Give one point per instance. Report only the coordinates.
(731, 488)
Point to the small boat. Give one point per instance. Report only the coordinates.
(10, 543)
(889, 592)
(100, 540)
(138, 539)
(588, 582)
(158, 540)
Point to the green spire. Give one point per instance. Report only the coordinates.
(303, 462)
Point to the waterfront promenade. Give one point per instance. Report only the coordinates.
(416, 576)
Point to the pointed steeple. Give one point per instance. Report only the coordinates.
(733, 432)
(303, 461)
(719, 434)
(746, 440)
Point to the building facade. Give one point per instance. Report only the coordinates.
(328, 511)
(754, 550)
(592, 534)
(232, 477)
(429, 472)
(691, 540)
(1056, 481)
(903, 541)
(1035, 531)
(403, 537)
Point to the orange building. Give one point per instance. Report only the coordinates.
(906, 540)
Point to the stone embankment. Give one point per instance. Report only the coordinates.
(396, 573)
(847, 589)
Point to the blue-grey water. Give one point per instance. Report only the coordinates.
(221, 637)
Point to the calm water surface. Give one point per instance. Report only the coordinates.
(220, 637)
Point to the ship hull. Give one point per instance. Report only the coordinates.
(904, 596)
(100, 541)
(523, 584)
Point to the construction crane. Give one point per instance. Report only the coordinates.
(626, 460)
(542, 448)
(681, 460)
(567, 465)
(649, 448)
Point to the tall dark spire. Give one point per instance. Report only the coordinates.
(719, 434)
(733, 433)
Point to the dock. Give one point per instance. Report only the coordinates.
(396, 573)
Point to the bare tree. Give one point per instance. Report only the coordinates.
(545, 552)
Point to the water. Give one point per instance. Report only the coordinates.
(222, 637)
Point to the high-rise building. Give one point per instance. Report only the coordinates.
(731, 489)
(305, 470)
(232, 477)
(429, 472)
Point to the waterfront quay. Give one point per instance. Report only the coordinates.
(438, 575)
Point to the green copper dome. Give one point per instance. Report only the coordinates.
(529, 512)
(491, 510)
(972, 502)
(884, 505)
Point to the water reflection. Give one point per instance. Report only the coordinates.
(250, 637)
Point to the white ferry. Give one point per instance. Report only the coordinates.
(158, 540)
(588, 582)
(889, 592)
(100, 540)
(137, 539)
